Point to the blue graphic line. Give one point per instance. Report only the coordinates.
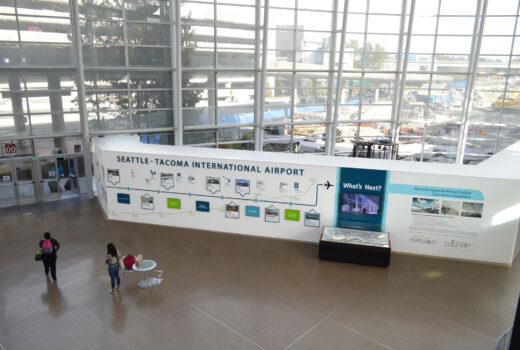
(221, 197)
(383, 219)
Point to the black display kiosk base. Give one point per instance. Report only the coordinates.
(355, 246)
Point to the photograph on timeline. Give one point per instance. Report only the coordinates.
(272, 214)
(213, 184)
(113, 176)
(232, 211)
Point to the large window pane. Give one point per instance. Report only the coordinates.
(102, 32)
(149, 57)
(58, 8)
(235, 58)
(196, 13)
(150, 99)
(496, 45)
(148, 10)
(150, 80)
(100, 9)
(235, 134)
(235, 115)
(99, 121)
(148, 34)
(104, 56)
(308, 20)
(456, 25)
(14, 125)
(152, 119)
(45, 29)
(198, 116)
(193, 137)
(233, 15)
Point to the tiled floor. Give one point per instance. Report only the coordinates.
(234, 292)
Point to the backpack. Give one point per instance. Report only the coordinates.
(129, 261)
(47, 247)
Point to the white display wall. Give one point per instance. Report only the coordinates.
(440, 211)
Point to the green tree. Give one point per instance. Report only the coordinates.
(190, 97)
(315, 92)
(135, 91)
(373, 55)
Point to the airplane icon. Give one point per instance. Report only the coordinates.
(328, 184)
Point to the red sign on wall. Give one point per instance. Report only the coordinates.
(10, 148)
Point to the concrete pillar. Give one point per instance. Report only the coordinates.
(24, 147)
(56, 103)
(17, 103)
(212, 95)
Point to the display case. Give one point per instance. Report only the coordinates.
(380, 149)
(355, 246)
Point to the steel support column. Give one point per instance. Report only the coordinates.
(339, 87)
(256, 73)
(87, 156)
(478, 30)
(395, 102)
(259, 141)
(331, 129)
(177, 76)
(395, 133)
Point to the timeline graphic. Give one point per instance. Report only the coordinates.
(255, 200)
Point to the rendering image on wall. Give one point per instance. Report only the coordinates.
(450, 208)
(357, 203)
(167, 180)
(213, 184)
(232, 210)
(471, 209)
(147, 202)
(426, 205)
(272, 214)
(312, 219)
(113, 176)
(242, 186)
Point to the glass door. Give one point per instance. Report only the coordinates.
(68, 178)
(50, 176)
(24, 181)
(73, 182)
(7, 188)
(80, 173)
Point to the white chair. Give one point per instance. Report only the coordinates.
(157, 279)
(123, 269)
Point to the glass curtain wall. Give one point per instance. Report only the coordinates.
(299, 74)
(38, 87)
(440, 77)
(370, 72)
(127, 55)
(494, 119)
(218, 72)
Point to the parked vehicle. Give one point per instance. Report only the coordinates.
(508, 101)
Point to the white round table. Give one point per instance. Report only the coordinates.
(147, 265)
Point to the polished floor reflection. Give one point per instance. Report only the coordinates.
(223, 291)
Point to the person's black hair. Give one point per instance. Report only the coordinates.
(47, 235)
(111, 249)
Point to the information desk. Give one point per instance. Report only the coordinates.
(355, 246)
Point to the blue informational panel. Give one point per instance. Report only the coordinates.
(360, 199)
(202, 206)
(252, 211)
(123, 198)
